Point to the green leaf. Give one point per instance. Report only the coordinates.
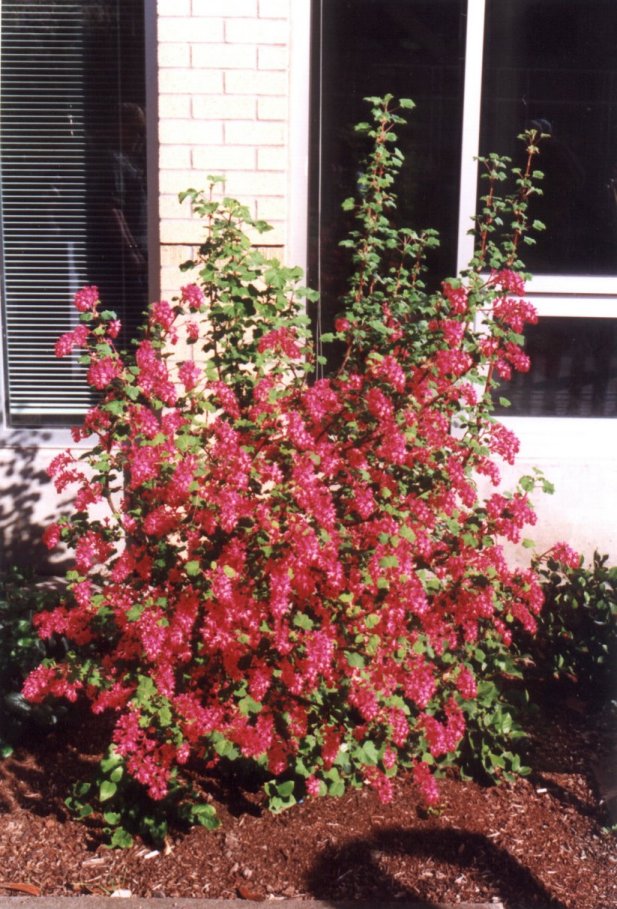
(135, 612)
(114, 407)
(356, 660)
(121, 839)
(389, 562)
(193, 568)
(248, 705)
(116, 775)
(302, 620)
(205, 815)
(111, 760)
(285, 789)
(369, 753)
(107, 790)
(112, 817)
(527, 483)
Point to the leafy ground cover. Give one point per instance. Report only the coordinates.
(541, 841)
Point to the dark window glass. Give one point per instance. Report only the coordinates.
(552, 64)
(73, 186)
(409, 48)
(573, 373)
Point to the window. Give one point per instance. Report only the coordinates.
(481, 71)
(73, 188)
(372, 47)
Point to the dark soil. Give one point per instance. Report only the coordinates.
(539, 842)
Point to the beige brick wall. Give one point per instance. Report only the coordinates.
(223, 69)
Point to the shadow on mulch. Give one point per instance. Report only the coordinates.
(47, 763)
(363, 860)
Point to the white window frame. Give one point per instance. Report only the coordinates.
(60, 437)
(543, 439)
(577, 296)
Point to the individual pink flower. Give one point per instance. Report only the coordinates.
(103, 372)
(52, 535)
(91, 549)
(192, 331)
(280, 340)
(456, 297)
(466, 683)
(86, 299)
(453, 362)
(508, 280)
(189, 374)
(114, 328)
(50, 680)
(331, 745)
(381, 783)
(76, 338)
(162, 314)
(313, 786)
(563, 553)
(193, 296)
(426, 783)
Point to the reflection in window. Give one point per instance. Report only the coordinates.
(573, 370)
(73, 184)
(551, 64)
(373, 47)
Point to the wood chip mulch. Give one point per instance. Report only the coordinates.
(542, 841)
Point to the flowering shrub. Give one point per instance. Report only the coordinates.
(292, 572)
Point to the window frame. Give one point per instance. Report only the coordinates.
(60, 436)
(543, 437)
(554, 289)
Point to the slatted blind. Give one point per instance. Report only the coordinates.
(63, 81)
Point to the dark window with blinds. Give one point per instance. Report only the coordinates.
(73, 188)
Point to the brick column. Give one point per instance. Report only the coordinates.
(223, 69)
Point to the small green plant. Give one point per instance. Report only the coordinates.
(121, 808)
(21, 651)
(575, 639)
(494, 742)
(576, 636)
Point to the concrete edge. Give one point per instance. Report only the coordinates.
(98, 902)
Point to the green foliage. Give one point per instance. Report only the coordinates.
(495, 738)
(120, 808)
(575, 640)
(577, 628)
(245, 289)
(21, 650)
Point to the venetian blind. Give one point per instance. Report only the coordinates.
(63, 84)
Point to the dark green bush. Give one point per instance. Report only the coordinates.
(21, 650)
(577, 628)
(493, 746)
(575, 642)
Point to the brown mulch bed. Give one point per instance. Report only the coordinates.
(540, 842)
